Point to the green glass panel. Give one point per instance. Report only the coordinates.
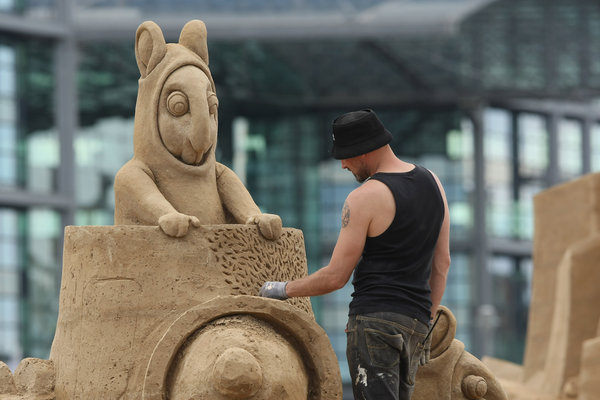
(595, 147)
(570, 148)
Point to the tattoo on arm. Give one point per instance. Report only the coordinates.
(345, 215)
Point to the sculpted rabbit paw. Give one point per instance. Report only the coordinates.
(269, 225)
(176, 224)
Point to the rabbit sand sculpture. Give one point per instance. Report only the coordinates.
(173, 179)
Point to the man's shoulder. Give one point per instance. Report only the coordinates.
(369, 192)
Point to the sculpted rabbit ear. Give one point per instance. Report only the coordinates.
(193, 36)
(150, 47)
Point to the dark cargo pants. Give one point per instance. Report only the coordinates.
(383, 353)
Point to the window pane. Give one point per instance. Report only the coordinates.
(524, 209)
(42, 161)
(595, 147)
(9, 283)
(456, 176)
(7, 77)
(29, 280)
(10, 251)
(42, 231)
(40, 139)
(570, 161)
(7, 5)
(100, 150)
(459, 296)
(11, 248)
(34, 8)
(498, 168)
(8, 169)
(8, 118)
(8, 111)
(9, 345)
(29, 153)
(9, 323)
(8, 137)
(511, 278)
(9, 310)
(533, 145)
(8, 239)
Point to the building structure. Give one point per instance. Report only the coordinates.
(499, 98)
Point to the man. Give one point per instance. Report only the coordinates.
(395, 231)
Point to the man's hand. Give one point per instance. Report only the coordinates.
(274, 290)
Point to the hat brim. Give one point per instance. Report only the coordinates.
(356, 149)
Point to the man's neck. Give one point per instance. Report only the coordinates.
(384, 160)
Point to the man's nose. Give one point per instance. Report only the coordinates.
(344, 166)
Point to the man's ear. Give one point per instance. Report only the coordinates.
(193, 36)
(150, 47)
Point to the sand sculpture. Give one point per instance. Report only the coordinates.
(173, 180)
(148, 316)
(163, 304)
(562, 356)
(453, 373)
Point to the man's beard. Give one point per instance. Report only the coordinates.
(361, 174)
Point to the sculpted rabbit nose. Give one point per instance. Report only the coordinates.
(237, 374)
(197, 142)
(201, 137)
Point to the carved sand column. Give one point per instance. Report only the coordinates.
(146, 316)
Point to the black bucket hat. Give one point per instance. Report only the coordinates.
(358, 132)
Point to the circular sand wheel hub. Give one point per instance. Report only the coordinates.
(237, 374)
(230, 346)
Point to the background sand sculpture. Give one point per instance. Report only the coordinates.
(562, 357)
(453, 373)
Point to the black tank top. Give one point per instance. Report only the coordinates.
(393, 273)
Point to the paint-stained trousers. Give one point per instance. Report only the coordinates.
(383, 352)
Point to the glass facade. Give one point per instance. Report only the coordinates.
(277, 101)
(30, 235)
(42, 229)
(29, 154)
(30, 247)
(100, 150)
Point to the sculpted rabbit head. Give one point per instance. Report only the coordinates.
(176, 111)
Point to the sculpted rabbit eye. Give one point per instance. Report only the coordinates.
(178, 104)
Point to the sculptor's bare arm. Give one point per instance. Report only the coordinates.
(238, 201)
(347, 251)
(138, 201)
(441, 258)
